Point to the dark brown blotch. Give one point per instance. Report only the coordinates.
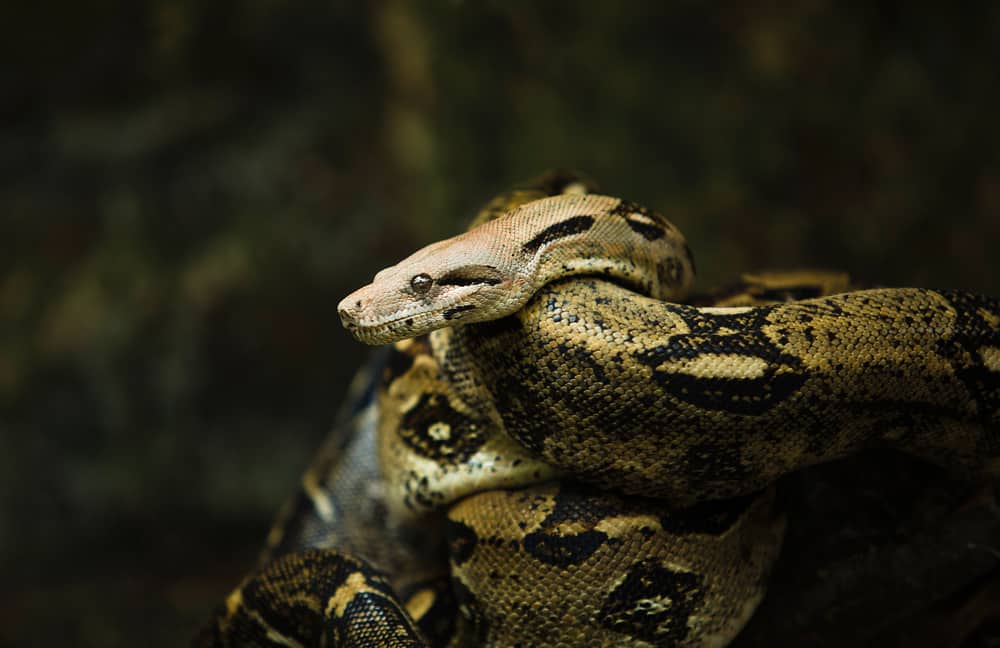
(647, 231)
(562, 229)
(452, 313)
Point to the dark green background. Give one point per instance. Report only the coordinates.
(188, 188)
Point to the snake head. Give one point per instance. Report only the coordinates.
(446, 283)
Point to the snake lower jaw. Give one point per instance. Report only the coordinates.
(410, 322)
(378, 333)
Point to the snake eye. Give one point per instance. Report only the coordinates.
(421, 283)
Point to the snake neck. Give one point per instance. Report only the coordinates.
(598, 236)
(492, 270)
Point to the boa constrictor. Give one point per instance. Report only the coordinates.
(579, 463)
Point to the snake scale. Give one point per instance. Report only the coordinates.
(561, 448)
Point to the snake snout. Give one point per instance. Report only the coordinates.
(350, 309)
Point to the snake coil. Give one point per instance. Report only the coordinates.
(554, 454)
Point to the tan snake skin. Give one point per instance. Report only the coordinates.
(589, 465)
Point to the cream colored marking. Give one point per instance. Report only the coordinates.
(275, 534)
(410, 402)
(725, 310)
(273, 634)
(281, 639)
(993, 319)
(439, 431)
(574, 188)
(404, 345)
(991, 358)
(515, 468)
(419, 603)
(320, 498)
(654, 605)
(233, 601)
(304, 598)
(613, 526)
(641, 218)
(354, 585)
(717, 365)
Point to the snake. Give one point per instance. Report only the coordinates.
(561, 446)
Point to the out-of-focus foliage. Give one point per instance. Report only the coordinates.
(188, 188)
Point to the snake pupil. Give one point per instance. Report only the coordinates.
(421, 283)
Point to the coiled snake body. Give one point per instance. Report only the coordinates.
(582, 462)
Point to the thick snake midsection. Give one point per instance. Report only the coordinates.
(688, 403)
(598, 569)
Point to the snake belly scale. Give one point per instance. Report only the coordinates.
(559, 456)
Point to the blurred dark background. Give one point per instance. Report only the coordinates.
(188, 188)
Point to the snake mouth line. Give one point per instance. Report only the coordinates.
(407, 325)
(364, 331)
(387, 331)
